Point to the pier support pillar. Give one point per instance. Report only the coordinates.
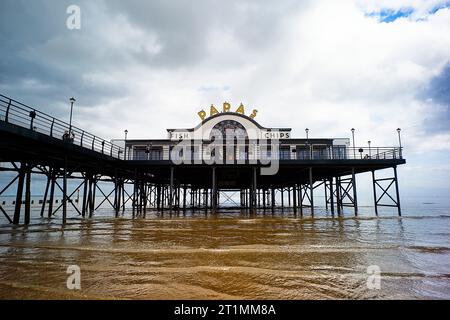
(47, 186)
(338, 196)
(253, 198)
(214, 190)
(272, 198)
(53, 174)
(64, 216)
(331, 196)
(171, 189)
(184, 198)
(300, 198)
(158, 197)
(397, 192)
(355, 196)
(18, 205)
(311, 190)
(85, 188)
(27, 194)
(294, 198)
(93, 190)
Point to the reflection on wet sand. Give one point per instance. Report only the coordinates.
(230, 256)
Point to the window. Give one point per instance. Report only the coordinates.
(139, 154)
(319, 153)
(285, 153)
(339, 152)
(303, 153)
(242, 152)
(229, 128)
(155, 153)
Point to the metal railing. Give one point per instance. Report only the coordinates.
(17, 113)
(375, 153)
(323, 153)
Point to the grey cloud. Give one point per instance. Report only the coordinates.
(43, 63)
(438, 93)
(183, 28)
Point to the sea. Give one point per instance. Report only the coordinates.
(231, 254)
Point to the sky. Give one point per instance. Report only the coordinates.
(325, 65)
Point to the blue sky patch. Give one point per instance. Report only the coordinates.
(439, 7)
(390, 15)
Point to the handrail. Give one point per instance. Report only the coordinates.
(265, 153)
(17, 113)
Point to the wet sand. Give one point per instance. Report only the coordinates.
(232, 255)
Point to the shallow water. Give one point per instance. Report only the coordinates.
(231, 255)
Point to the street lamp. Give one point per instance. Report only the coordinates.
(308, 144)
(370, 154)
(72, 101)
(147, 151)
(353, 138)
(125, 154)
(399, 142)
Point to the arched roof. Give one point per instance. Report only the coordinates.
(229, 113)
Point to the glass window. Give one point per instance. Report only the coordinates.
(339, 152)
(285, 153)
(155, 153)
(319, 153)
(303, 153)
(139, 154)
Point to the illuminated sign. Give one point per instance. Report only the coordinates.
(226, 108)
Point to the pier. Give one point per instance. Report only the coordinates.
(145, 175)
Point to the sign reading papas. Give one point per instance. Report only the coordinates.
(226, 108)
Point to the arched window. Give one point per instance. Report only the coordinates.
(229, 128)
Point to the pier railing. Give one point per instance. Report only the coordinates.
(324, 153)
(17, 113)
(375, 153)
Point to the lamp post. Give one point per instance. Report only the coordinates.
(370, 154)
(399, 142)
(307, 143)
(125, 153)
(72, 101)
(353, 138)
(147, 151)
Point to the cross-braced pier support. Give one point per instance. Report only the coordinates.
(384, 185)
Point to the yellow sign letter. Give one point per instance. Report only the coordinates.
(213, 111)
(240, 109)
(226, 107)
(253, 115)
(202, 115)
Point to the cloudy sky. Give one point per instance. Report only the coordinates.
(327, 65)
